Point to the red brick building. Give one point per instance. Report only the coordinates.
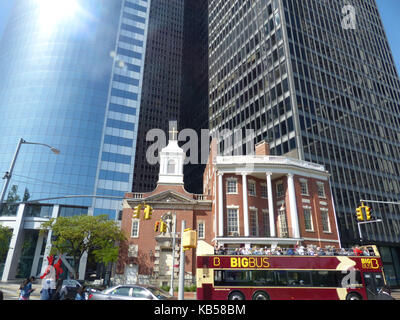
(147, 257)
(263, 200)
(256, 200)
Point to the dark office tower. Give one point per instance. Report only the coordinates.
(161, 95)
(321, 86)
(194, 107)
(175, 83)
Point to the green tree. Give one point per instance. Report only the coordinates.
(5, 237)
(73, 236)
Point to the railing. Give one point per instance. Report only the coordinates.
(269, 160)
(301, 251)
(137, 195)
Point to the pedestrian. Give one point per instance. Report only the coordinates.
(59, 292)
(357, 251)
(1, 295)
(26, 289)
(80, 294)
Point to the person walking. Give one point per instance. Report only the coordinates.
(26, 289)
(80, 295)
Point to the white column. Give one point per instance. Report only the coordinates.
(45, 263)
(36, 258)
(14, 251)
(245, 205)
(220, 205)
(271, 206)
(293, 207)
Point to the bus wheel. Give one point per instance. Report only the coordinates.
(353, 296)
(260, 295)
(236, 295)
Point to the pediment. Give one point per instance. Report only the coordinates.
(169, 197)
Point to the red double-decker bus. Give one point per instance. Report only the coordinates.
(259, 277)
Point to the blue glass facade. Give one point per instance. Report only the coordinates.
(71, 78)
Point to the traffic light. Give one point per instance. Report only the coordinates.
(368, 213)
(360, 216)
(148, 211)
(189, 239)
(163, 227)
(136, 212)
(157, 226)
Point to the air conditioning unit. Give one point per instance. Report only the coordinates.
(233, 234)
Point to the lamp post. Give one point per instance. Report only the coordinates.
(8, 174)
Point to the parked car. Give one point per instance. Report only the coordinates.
(131, 292)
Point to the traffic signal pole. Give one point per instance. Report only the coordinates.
(365, 222)
(171, 290)
(182, 266)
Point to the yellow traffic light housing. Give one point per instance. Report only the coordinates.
(368, 213)
(136, 212)
(189, 239)
(360, 216)
(163, 226)
(148, 211)
(156, 226)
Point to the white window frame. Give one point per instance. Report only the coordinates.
(264, 187)
(254, 211)
(236, 208)
(267, 228)
(304, 182)
(230, 180)
(311, 218)
(135, 221)
(283, 224)
(325, 212)
(253, 184)
(201, 235)
(278, 193)
(319, 185)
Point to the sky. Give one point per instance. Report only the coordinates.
(389, 10)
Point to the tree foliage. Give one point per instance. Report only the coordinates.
(5, 237)
(73, 236)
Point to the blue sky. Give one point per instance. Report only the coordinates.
(389, 9)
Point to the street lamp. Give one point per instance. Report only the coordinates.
(8, 174)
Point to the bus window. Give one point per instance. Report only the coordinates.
(324, 279)
(299, 278)
(281, 278)
(262, 278)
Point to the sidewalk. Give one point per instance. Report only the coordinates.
(11, 290)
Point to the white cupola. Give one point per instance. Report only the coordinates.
(172, 159)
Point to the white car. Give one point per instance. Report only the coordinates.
(131, 292)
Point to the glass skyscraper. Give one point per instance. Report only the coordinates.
(72, 74)
(317, 80)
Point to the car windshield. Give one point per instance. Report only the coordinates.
(160, 294)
